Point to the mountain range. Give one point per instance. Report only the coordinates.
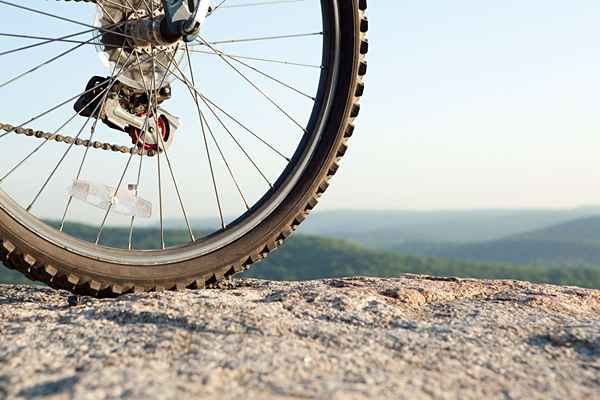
(571, 244)
(385, 229)
(556, 246)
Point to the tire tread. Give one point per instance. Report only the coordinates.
(59, 278)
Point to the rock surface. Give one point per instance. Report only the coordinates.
(361, 338)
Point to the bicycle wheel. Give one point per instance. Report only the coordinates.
(105, 192)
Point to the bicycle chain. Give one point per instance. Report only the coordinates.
(75, 141)
(8, 128)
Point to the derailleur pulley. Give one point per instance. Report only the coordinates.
(128, 110)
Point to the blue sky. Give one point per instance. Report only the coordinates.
(477, 104)
(469, 104)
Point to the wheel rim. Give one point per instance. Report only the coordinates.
(238, 227)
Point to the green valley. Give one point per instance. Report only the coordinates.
(305, 257)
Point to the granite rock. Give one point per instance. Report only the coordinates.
(412, 337)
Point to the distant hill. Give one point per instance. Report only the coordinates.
(308, 257)
(572, 244)
(583, 230)
(388, 229)
(385, 229)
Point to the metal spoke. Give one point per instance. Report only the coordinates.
(258, 39)
(149, 8)
(106, 12)
(127, 167)
(268, 60)
(262, 174)
(114, 5)
(210, 164)
(139, 174)
(66, 153)
(206, 102)
(195, 97)
(49, 61)
(244, 127)
(33, 10)
(160, 191)
(50, 40)
(160, 199)
(271, 77)
(239, 145)
(266, 96)
(259, 71)
(92, 133)
(229, 170)
(217, 7)
(261, 3)
(51, 110)
(48, 139)
(182, 78)
(177, 191)
(33, 37)
(162, 145)
(139, 112)
(145, 5)
(101, 229)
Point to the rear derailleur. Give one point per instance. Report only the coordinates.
(125, 109)
(128, 109)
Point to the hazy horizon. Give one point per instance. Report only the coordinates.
(583, 211)
(468, 106)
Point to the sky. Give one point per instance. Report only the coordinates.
(468, 104)
(477, 104)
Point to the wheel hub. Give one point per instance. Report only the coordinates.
(140, 50)
(140, 45)
(151, 38)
